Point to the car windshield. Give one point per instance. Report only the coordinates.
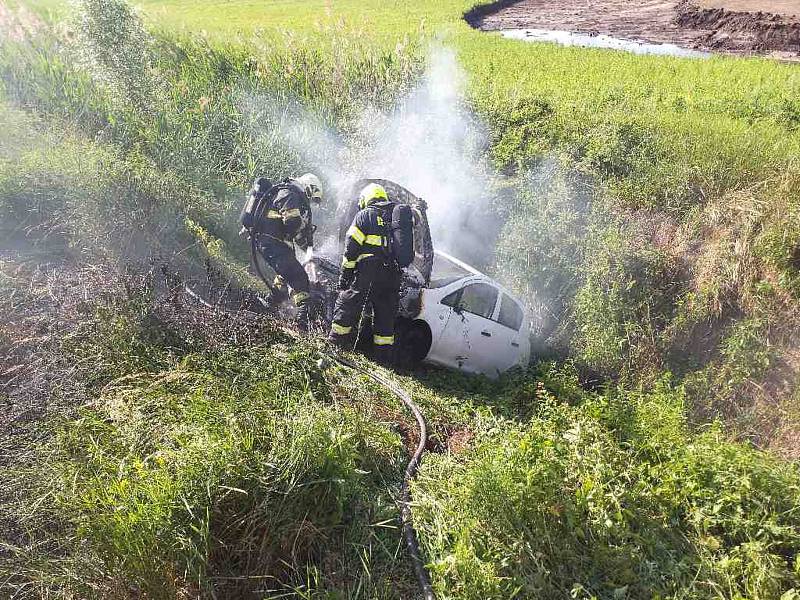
(446, 272)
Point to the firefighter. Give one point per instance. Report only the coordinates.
(286, 221)
(369, 274)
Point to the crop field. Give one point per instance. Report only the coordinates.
(374, 18)
(646, 208)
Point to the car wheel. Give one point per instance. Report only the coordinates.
(413, 343)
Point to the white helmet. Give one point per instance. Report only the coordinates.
(312, 186)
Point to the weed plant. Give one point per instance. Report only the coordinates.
(612, 497)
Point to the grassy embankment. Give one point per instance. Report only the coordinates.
(664, 236)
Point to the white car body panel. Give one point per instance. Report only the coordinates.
(471, 342)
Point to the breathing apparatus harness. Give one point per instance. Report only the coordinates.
(258, 203)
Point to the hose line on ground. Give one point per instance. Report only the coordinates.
(409, 533)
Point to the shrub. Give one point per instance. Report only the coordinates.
(612, 498)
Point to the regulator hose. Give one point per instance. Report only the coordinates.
(256, 263)
(406, 517)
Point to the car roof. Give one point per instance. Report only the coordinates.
(473, 272)
(458, 263)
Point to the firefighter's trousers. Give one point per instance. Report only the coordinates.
(376, 285)
(281, 257)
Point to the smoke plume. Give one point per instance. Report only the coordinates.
(430, 143)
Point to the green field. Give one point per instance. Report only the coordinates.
(647, 209)
(389, 19)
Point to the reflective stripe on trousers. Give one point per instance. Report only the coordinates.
(340, 329)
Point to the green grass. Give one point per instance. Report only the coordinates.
(385, 18)
(247, 478)
(389, 19)
(652, 211)
(607, 499)
(254, 468)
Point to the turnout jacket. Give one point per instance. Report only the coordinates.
(368, 236)
(287, 216)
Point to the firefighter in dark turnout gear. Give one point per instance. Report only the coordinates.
(286, 221)
(369, 275)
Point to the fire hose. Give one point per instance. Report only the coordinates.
(409, 533)
(406, 518)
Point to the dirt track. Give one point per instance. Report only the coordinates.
(707, 24)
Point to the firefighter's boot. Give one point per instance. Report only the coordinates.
(280, 293)
(302, 301)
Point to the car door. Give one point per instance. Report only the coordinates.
(484, 338)
(449, 344)
(512, 344)
(468, 332)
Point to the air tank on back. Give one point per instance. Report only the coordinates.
(422, 262)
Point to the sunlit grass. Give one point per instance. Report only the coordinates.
(668, 214)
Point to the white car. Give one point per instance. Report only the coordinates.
(468, 322)
(450, 314)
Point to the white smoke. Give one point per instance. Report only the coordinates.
(430, 144)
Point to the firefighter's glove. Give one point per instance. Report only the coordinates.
(346, 278)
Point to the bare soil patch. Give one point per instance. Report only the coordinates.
(733, 26)
(741, 30)
(777, 7)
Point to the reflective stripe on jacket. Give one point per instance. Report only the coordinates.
(288, 216)
(368, 235)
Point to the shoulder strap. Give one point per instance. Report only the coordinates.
(286, 184)
(385, 209)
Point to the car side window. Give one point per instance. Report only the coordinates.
(451, 299)
(479, 299)
(511, 314)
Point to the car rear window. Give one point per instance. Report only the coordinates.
(511, 314)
